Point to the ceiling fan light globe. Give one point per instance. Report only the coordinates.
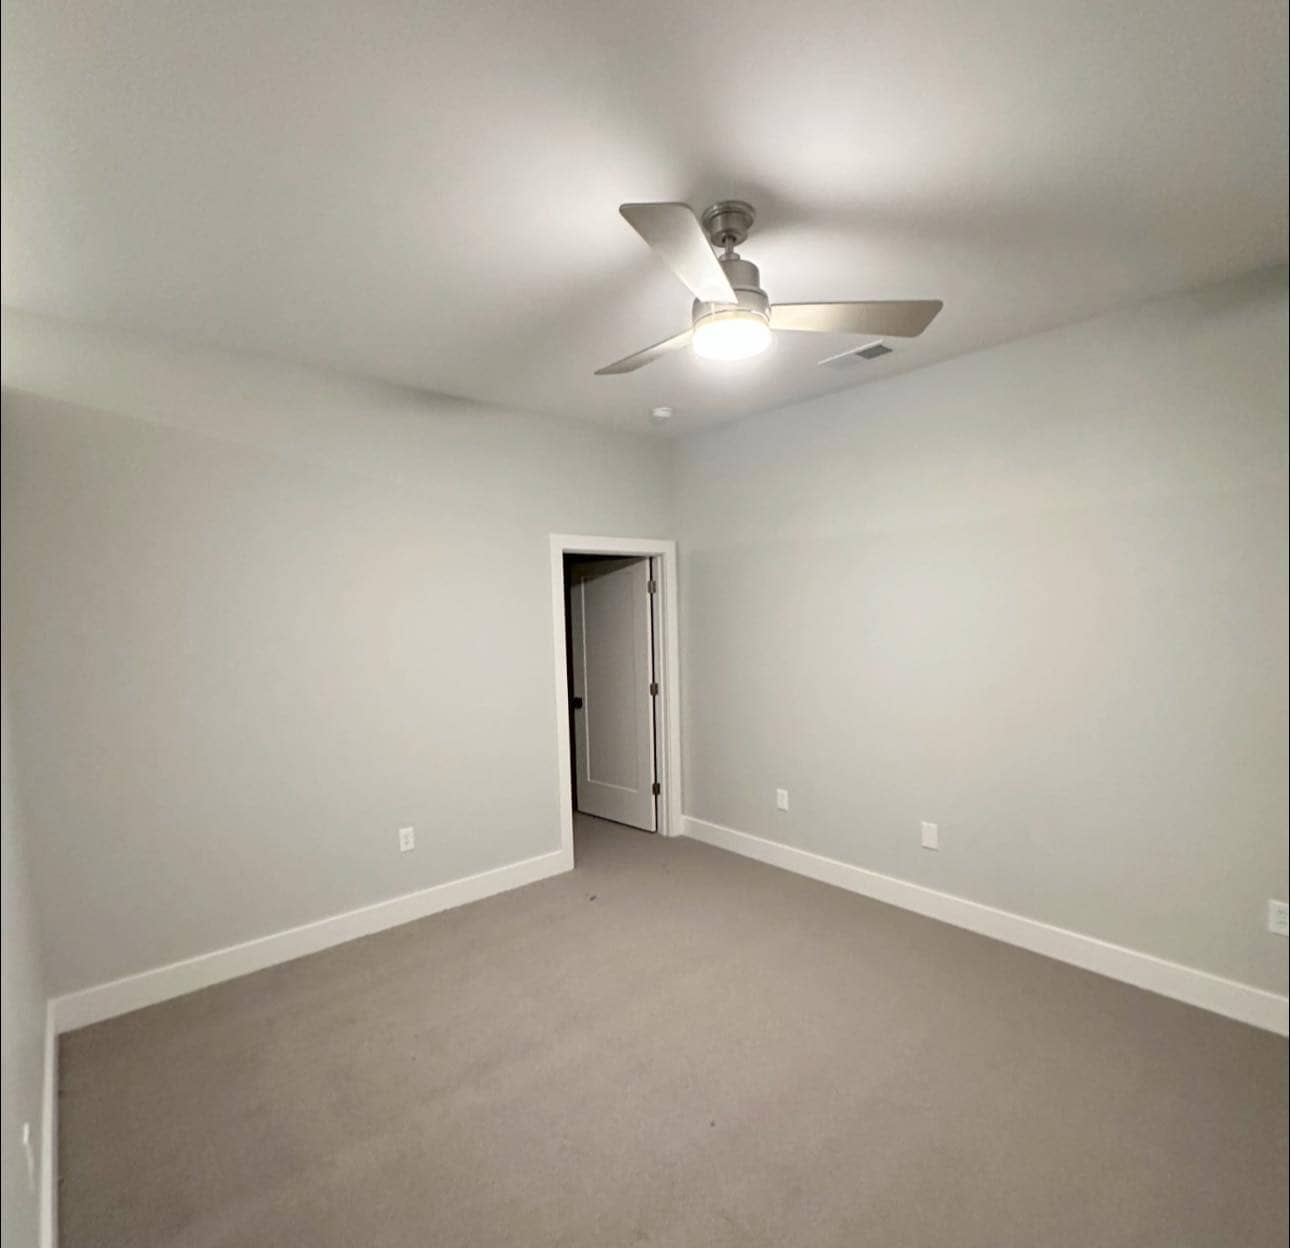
(731, 334)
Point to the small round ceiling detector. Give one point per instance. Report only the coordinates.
(662, 413)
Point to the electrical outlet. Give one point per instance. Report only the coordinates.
(1279, 918)
(781, 799)
(407, 839)
(931, 836)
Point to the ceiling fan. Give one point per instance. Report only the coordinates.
(732, 318)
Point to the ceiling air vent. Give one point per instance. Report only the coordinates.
(873, 351)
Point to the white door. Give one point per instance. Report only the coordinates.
(613, 716)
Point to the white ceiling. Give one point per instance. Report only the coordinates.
(427, 192)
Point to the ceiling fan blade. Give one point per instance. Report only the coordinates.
(675, 233)
(893, 318)
(641, 358)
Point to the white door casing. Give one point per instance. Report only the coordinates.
(612, 642)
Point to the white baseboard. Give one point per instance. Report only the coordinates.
(49, 1136)
(1240, 1001)
(120, 996)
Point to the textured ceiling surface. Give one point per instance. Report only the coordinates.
(427, 192)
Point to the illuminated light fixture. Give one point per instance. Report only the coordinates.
(731, 334)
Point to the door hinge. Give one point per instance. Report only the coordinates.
(653, 688)
(651, 585)
(656, 788)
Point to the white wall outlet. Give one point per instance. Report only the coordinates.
(931, 836)
(1279, 918)
(407, 839)
(781, 799)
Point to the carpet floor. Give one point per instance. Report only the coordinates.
(672, 1045)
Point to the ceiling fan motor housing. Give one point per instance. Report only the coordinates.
(746, 280)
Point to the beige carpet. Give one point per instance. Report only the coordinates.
(673, 1046)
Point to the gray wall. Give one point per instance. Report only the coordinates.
(1036, 595)
(22, 990)
(259, 618)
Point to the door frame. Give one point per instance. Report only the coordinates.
(667, 644)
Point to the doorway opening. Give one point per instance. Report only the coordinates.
(616, 669)
(610, 634)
